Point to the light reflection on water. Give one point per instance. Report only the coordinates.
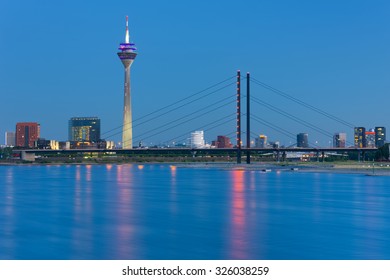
(168, 212)
(238, 238)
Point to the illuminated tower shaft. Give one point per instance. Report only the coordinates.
(127, 55)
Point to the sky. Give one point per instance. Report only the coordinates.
(58, 60)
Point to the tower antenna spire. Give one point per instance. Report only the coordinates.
(127, 55)
(127, 38)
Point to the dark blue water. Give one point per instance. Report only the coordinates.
(162, 212)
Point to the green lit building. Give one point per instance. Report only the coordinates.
(84, 129)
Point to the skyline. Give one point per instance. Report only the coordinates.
(87, 129)
(331, 55)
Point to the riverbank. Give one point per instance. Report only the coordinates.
(366, 168)
(382, 169)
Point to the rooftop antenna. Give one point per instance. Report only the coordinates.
(127, 38)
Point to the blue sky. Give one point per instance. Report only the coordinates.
(58, 60)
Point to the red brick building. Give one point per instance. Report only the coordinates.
(223, 142)
(26, 134)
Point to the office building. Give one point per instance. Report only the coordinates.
(370, 138)
(261, 141)
(127, 55)
(84, 129)
(197, 139)
(223, 142)
(359, 137)
(380, 136)
(26, 134)
(275, 145)
(339, 140)
(302, 140)
(10, 139)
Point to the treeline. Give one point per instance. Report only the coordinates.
(383, 153)
(5, 153)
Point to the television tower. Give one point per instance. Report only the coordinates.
(127, 55)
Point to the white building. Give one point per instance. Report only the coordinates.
(197, 139)
(110, 145)
(54, 145)
(10, 139)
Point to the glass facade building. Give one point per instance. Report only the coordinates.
(339, 140)
(84, 129)
(380, 136)
(370, 138)
(302, 140)
(360, 137)
(261, 141)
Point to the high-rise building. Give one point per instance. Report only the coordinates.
(339, 140)
(302, 140)
(360, 137)
(223, 142)
(370, 138)
(380, 136)
(26, 134)
(275, 145)
(261, 141)
(127, 55)
(10, 139)
(197, 139)
(84, 129)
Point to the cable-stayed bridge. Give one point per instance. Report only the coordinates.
(222, 107)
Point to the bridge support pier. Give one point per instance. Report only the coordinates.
(284, 156)
(238, 117)
(248, 119)
(359, 156)
(27, 156)
(323, 156)
(277, 156)
(318, 156)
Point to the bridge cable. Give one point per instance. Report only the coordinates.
(183, 105)
(181, 119)
(176, 102)
(302, 103)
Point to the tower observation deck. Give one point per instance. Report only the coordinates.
(127, 55)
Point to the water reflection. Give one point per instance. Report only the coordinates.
(238, 217)
(77, 193)
(317, 198)
(125, 227)
(369, 206)
(9, 193)
(88, 172)
(8, 214)
(123, 174)
(82, 230)
(173, 193)
(162, 211)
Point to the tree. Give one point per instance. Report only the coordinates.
(383, 153)
(5, 153)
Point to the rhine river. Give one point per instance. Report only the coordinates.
(160, 211)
